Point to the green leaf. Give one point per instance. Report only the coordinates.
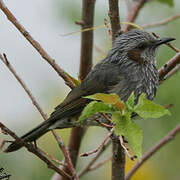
(169, 2)
(95, 107)
(130, 101)
(109, 99)
(130, 130)
(74, 80)
(148, 109)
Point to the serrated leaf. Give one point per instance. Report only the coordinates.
(130, 130)
(95, 107)
(148, 109)
(169, 2)
(109, 99)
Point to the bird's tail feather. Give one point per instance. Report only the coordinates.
(30, 136)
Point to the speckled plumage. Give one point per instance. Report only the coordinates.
(129, 66)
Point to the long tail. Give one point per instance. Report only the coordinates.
(30, 136)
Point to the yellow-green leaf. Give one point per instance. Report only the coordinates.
(109, 99)
(74, 80)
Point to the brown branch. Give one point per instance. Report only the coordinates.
(162, 22)
(114, 17)
(24, 86)
(153, 150)
(10, 67)
(35, 44)
(51, 157)
(67, 156)
(118, 158)
(118, 162)
(169, 66)
(31, 148)
(88, 7)
(89, 165)
(132, 14)
(172, 72)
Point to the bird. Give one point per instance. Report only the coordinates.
(130, 66)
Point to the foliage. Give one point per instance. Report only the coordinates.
(169, 2)
(122, 115)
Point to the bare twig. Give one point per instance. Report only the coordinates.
(153, 150)
(162, 22)
(89, 165)
(171, 64)
(132, 157)
(51, 157)
(35, 103)
(114, 17)
(132, 14)
(99, 146)
(31, 148)
(35, 44)
(67, 157)
(7, 63)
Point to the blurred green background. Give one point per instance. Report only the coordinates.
(47, 21)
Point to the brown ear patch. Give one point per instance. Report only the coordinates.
(135, 55)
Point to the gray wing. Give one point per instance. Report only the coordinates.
(101, 79)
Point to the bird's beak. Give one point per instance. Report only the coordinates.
(163, 41)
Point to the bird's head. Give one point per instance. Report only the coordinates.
(138, 45)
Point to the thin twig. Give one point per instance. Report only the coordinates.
(153, 150)
(88, 166)
(51, 157)
(36, 45)
(98, 165)
(132, 14)
(7, 63)
(31, 148)
(67, 157)
(162, 22)
(166, 68)
(132, 157)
